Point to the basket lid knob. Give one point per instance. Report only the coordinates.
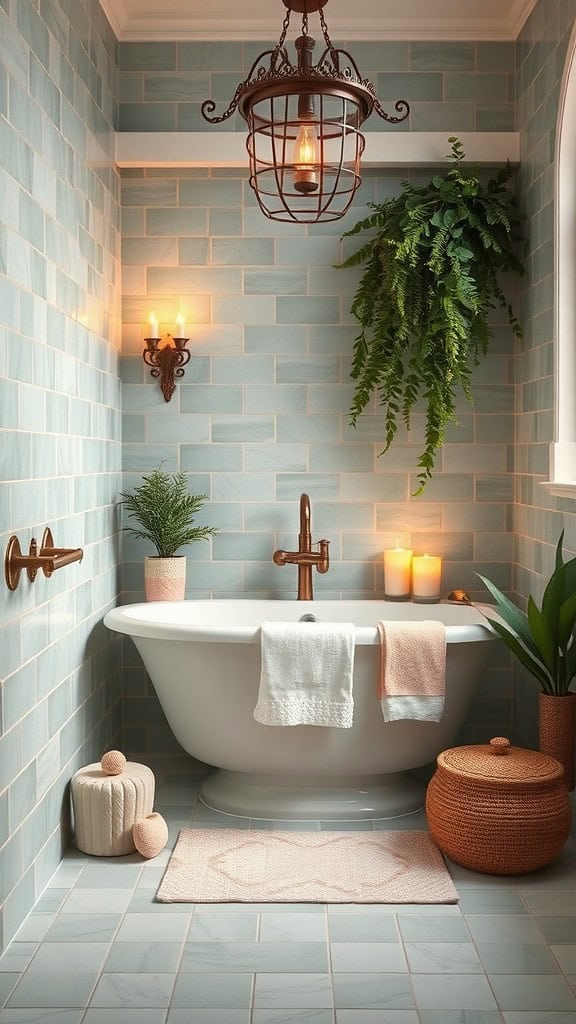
(499, 745)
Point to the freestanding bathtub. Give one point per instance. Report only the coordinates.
(203, 658)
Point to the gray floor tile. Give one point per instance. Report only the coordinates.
(491, 901)
(35, 927)
(532, 992)
(430, 928)
(543, 901)
(566, 956)
(50, 901)
(41, 1016)
(382, 957)
(49, 990)
(80, 957)
(208, 1017)
(148, 991)
(123, 1016)
(362, 928)
(540, 1017)
(293, 928)
(288, 991)
(557, 928)
(143, 902)
(292, 1017)
(115, 874)
(224, 927)
(517, 958)
(17, 956)
(504, 928)
(154, 927)
(255, 956)
(83, 928)
(373, 991)
(96, 901)
(404, 823)
(460, 1017)
(126, 957)
(452, 992)
(443, 958)
(219, 991)
(7, 983)
(376, 1017)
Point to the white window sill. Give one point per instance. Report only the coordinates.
(561, 489)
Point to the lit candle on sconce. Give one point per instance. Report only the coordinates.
(397, 573)
(426, 576)
(152, 327)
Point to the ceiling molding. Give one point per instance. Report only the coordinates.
(383, 149)
(132, 22)
(118, 15)
(518, 16)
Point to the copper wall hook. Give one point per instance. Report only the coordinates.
(49, 559)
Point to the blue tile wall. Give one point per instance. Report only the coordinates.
(61, 424)
(451, 86)
(538, 517)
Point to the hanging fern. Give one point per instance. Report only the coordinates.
(431, 276)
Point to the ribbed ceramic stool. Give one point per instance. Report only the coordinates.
(108, 799)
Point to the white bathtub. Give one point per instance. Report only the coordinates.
(203, 658)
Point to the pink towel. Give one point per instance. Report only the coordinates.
(412, 670)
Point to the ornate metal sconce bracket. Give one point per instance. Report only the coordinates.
(167, 363)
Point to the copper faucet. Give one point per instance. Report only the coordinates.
(305, 558)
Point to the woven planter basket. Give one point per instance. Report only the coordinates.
(498, 809)
(557, 731)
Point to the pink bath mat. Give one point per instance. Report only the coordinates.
(240, 866)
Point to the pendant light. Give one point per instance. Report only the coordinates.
(304, 141)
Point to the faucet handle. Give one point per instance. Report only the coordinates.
(324, 563)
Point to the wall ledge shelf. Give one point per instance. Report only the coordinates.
(383, 149)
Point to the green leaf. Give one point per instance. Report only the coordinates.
(512, 642)
(431, 273)
(542, 635)
(567, 621)
(515, 618)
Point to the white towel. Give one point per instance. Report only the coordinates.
(412, 670)
(306, 674)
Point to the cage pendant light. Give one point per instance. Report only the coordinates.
(304, 141)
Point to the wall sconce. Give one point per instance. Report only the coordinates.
(167, 362)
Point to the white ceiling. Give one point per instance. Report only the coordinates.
(369, 19)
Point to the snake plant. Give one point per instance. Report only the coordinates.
(543, 638)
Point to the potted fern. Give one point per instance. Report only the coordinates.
(165, 512)
(542, 639)
(431, 275)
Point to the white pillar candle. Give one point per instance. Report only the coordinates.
(180, 327)
(426, 575)
(152, 327)
(397, 566)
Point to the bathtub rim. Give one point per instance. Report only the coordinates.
(124, 619)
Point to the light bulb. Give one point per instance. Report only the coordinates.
(306, 159)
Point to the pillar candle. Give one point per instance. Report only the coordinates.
(397, 563)
(152, 327)
(180, 327)
(426, 575)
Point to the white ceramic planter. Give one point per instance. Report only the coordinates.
(165, 578)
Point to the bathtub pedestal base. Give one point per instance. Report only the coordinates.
(302, 798)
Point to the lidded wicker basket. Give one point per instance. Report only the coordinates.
(498, 809)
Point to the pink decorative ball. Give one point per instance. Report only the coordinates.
(150, 835)
(113, 762)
